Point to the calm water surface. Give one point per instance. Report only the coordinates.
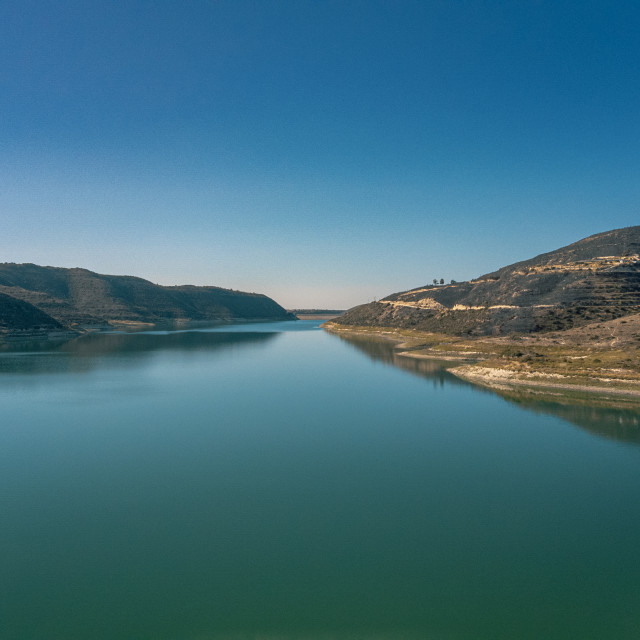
(274, 481)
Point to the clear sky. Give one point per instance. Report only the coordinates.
(324, 153)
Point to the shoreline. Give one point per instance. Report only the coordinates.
(487, 377)
(479, 367)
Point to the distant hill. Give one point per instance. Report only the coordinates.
(78, 298)
(595, 279)
(317, 312)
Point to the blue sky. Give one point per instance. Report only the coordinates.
(324, 153)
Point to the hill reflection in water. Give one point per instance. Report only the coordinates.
(382, 350)
(615, 418)
(97, 350)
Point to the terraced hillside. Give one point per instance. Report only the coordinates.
(595, 279)
(79, 298)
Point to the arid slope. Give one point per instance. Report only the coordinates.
(595, 279)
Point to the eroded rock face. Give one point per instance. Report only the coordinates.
(597, 278)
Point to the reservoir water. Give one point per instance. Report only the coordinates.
(278, 482)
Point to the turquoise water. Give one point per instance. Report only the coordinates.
(274, 481)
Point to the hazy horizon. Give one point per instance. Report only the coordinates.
(321, 153)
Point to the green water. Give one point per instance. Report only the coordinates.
(275, 481)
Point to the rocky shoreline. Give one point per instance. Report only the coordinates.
(498, 364)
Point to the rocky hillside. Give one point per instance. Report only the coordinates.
(77, 298)
(595, 279)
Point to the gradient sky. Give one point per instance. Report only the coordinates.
(324, 153)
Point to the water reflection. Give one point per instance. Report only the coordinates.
(381, 350)
(111, 349)
(615, 418)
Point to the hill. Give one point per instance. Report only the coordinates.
(594, 279)
(316, 314)
(567, 320)
(17, 315)
(78, 299)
